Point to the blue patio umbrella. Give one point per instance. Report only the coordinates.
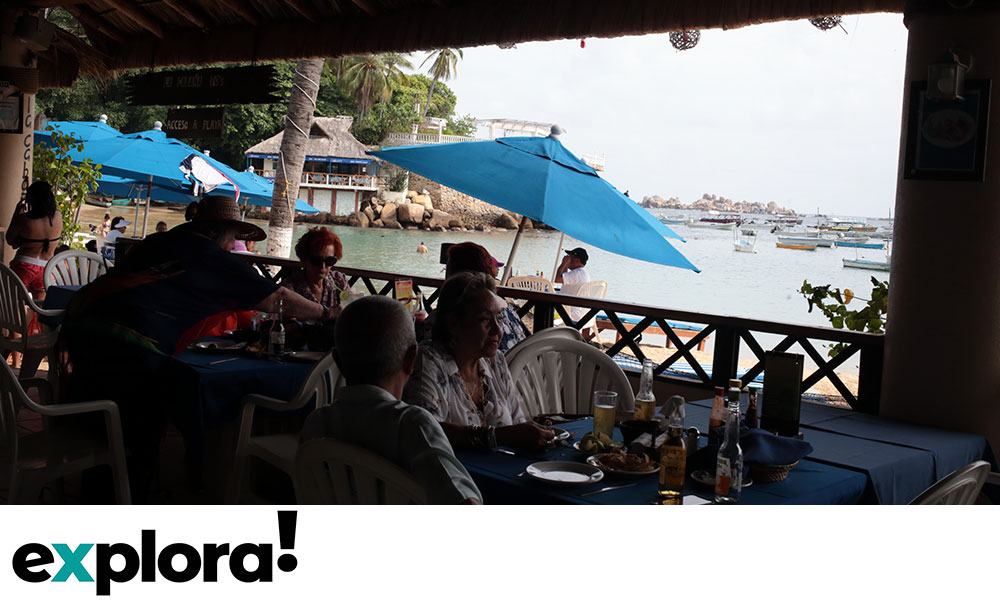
(81, 131)
(123, 187)
(542, 180)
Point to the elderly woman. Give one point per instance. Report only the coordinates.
(468, 256)
(34, 231)
(318, 251)
(461, 378)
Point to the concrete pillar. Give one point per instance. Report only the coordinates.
(15, 148)
(942, 350)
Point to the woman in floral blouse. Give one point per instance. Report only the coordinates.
(318, 251)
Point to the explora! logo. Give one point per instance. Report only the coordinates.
(30, 560)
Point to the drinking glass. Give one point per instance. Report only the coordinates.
(605, 403)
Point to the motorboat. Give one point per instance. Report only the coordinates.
(806, 239)
(871, 265)
(847, 225)
(860, 243)
(797, 246)
(744, 240)
(702, 224)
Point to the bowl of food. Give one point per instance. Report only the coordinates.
(596, 443)
(633, 428)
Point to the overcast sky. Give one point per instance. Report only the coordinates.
(782, 112)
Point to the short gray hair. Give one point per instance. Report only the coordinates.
(372, 337)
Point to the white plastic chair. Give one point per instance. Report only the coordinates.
(329, 471)
(561, 332)
(59, 449)
(534, 284)
(561, 376)
(14, 318)
(73, 267)
(279, 449)
(960, 487)
(593, 289)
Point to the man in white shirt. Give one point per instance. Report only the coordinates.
(572, 274)
(376, 348)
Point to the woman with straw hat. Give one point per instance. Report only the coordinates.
(133, 320)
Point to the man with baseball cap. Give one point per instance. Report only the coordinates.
(572, 274)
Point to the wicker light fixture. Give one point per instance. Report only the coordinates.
(827, 23)
(685, 40)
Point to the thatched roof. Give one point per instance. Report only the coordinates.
(130, 34)
(329, 136)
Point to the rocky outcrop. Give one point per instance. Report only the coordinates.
(506, 221)
(410, 214)
(357, 219)
(388, 215)
(713, 202)
(471, 211)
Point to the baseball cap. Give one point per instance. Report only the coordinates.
(579, 253)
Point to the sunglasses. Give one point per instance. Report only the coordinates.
(319, 261)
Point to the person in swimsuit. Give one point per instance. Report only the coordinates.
(34, 231)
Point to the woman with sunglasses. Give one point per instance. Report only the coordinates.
(318, 251)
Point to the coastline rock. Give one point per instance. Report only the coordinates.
(368, 212)
(357, 219)
(506, 221)
(423, 200)
(388, 215)
(440, 219)
(378, 223)
(455, 223)
(410, 213)
(410, 195)
(718, 203)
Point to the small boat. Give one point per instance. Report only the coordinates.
(860, 243)
(872, 265)
(672, 221)
(844, 226)
(710, 225)
(800, 246)
(744, 240)
(787, 220)
(806, 239)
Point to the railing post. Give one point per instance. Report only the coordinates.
(726, 356)
(870, 378)
(544, 316)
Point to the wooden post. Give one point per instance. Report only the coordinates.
(544, 316)
(726, 356)
(870, 379)
(509, 267)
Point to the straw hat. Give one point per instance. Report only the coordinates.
(220, 208)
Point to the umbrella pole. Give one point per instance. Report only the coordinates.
(509, 268)
(135, 220)
(555, 267)
(149, 198)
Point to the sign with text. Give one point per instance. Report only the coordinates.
(194, 122)
(229, 85)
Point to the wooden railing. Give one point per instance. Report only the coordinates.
(331, 179)
(730, 333)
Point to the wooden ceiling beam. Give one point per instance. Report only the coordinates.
(189, 12)
(304, 8)
(139, 17)
(50, 3)
(368, 6)
(92, 22)
(241, 10)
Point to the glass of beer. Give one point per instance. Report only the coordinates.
(605, 403)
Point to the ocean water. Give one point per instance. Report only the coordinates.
(763, 285)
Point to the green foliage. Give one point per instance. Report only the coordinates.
(370, 78)
(833, 304)
(418, 86)
(465, 125)
(71, 183)
(443, 68)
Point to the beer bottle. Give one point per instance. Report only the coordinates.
(276, 346)
(645, 402)
(729, 465)
(734, 396)
(419, 318)
(673, 459)
(718, 416)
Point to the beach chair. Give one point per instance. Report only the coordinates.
(534, 284)
(548, 333)
(960, 487)
(59, 449)
(561, 376)
(15, 320)
(279, 449)
(73, 267)
(329, 471)
(592, 289)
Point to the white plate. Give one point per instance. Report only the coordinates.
(218, 346)
(306, 356)
(565, 472)
(593, 460)
(704, 478)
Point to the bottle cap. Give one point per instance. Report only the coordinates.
(735, 383)
(720, 391)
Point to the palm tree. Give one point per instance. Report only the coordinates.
(443, 68)
(369, 78)
(292, 154)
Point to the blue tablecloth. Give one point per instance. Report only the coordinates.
(900, 459)
(496, 474)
